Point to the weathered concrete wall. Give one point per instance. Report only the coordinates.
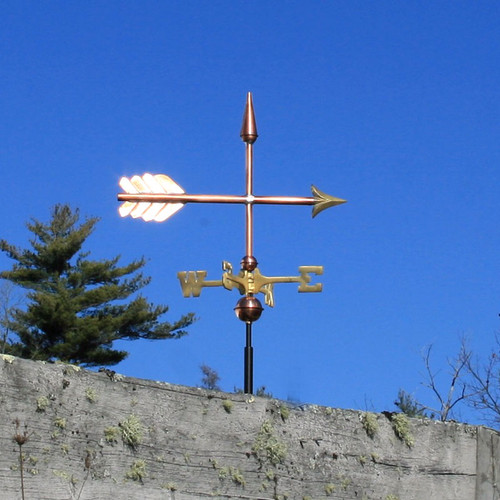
(100, 436)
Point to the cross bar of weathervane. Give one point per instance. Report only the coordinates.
(158, 197)
(321, 200)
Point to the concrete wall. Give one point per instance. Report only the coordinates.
(86, 435)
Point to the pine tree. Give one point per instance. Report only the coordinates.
(76, 307)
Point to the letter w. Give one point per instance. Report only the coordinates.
(191, 282)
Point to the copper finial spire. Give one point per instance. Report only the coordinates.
(249, 127)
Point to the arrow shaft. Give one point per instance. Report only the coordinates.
(216, 198)
(285, 200)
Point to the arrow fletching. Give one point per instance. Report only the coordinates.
(150, 184)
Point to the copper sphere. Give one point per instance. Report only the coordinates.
(248, 309)
(249, 263)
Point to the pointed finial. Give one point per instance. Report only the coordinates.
(249, 128)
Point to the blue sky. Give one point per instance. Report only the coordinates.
(393, 106)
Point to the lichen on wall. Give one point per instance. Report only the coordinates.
(88, 435)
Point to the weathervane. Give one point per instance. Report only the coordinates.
(158, 197)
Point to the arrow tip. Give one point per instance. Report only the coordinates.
(324, 201)
(249, 127)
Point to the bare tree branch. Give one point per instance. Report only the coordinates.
(449, 400)
(485, 385)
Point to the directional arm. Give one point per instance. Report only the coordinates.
(304, 278)
(248, 283)
(193, 281)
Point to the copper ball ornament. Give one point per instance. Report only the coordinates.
(248, 309)
(249, 263)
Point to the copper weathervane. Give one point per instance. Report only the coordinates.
(158, 197)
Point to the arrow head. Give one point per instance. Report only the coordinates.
(324, 201)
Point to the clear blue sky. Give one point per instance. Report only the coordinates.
(394, 106)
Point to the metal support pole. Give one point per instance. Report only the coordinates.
(249, 360)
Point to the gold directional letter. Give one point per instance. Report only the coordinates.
(305, 278)
(193, 281)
